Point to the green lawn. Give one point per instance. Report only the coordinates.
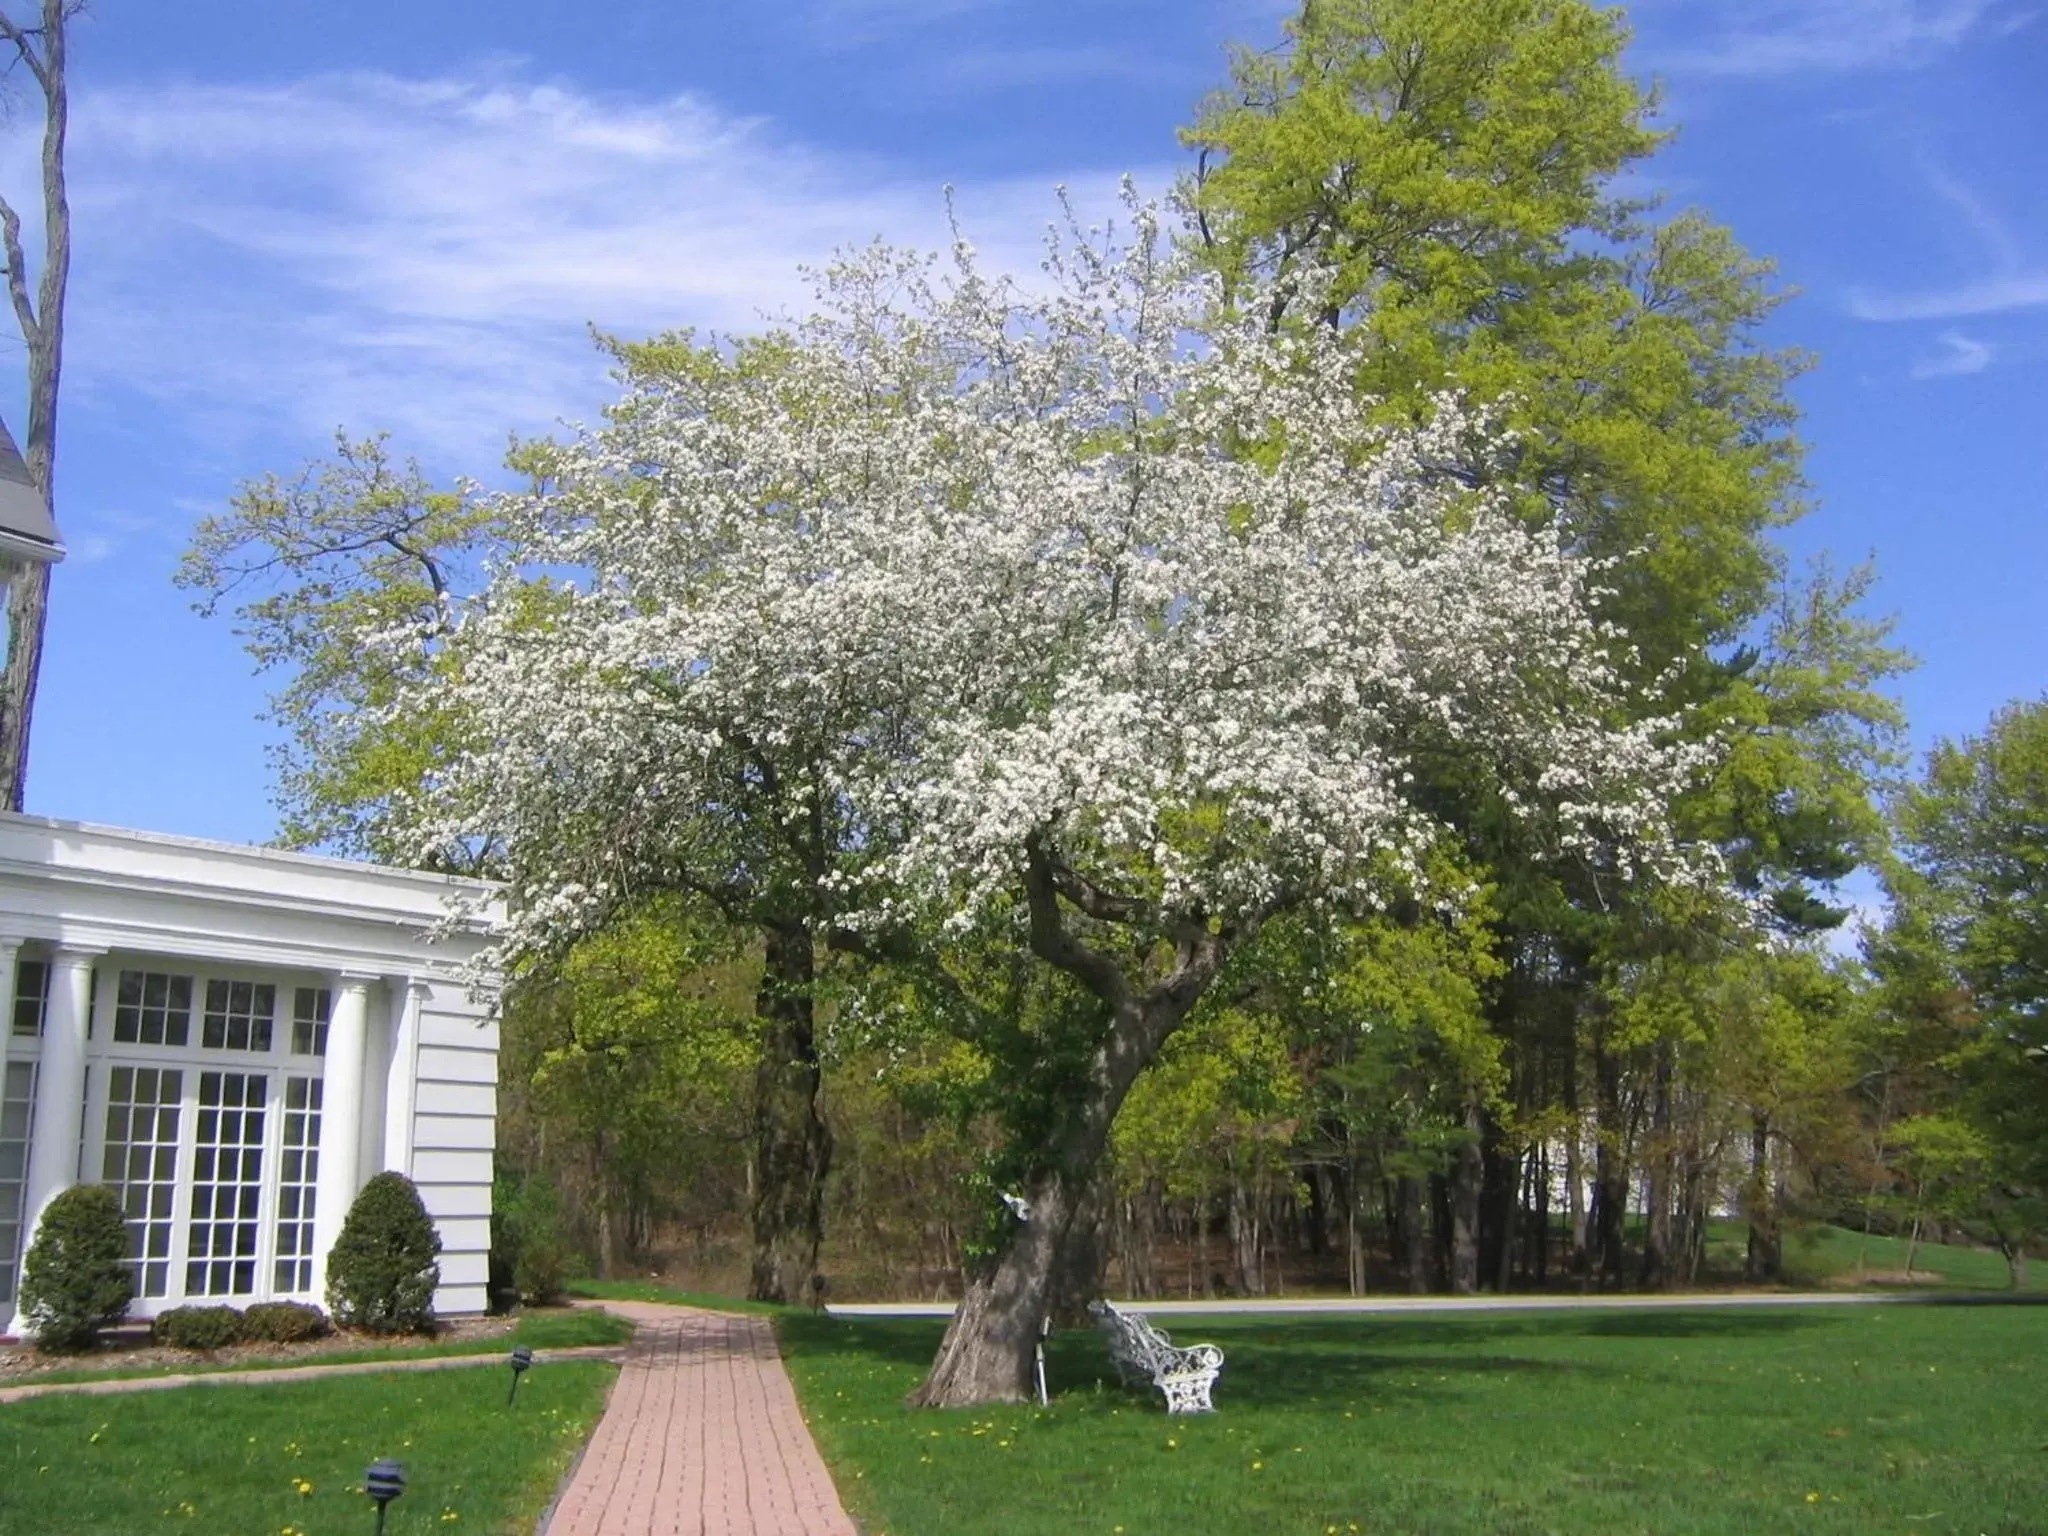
(1852, 1419)
(538, 1330)
(266, 1460)
(1820, 1255)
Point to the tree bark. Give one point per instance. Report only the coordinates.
(41, 319)
(1081, 1262)
(792, 1146)
(1655, 1274)
(986, 1355)
(1468, 1173)
(1766, 1252)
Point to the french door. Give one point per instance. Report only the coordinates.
(215, 1167)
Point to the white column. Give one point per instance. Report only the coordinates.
(10, 952)
(60, 1085)
(60, 1082)
(341, 1117)
(402, 1084)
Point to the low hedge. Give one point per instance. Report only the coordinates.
(199, 1328)
(285, 1322)
(268, 1322)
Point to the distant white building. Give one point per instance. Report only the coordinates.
(236, 1039)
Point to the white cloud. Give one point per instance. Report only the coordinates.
(1764, 38)
(1981, 296)
(1960, 354)
(1983, 238)
(426, 255)
(89, 548)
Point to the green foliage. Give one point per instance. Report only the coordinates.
(631, 1057)
(76, 1280)
(358, 544)
(382, 1272)
(284, 1322)
(1454, 164)
(527, 1239)
(199, 1327)
(1964, 965)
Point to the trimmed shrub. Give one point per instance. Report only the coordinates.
(76, 1280)
(284, 1322)
(199, 1327)
(381, 1275)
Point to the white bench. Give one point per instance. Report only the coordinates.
(1144, 1356)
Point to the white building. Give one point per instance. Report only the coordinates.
(236, 1039)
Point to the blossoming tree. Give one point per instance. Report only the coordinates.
(1087, 618)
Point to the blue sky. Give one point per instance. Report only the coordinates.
(295, 216)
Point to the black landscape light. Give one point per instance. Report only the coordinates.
(522, 1357)
(384, 1482)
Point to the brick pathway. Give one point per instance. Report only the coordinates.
(702, 1437)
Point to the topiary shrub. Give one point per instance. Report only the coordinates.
(199, 1327)
(76, 1279)
(284, 1322)
(381, 1275)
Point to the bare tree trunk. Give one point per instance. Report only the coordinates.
(42, 51)
(1082, 1260)
(792, 1147)
(1655, 1274)
(1467, 1176)
(1766, 1253)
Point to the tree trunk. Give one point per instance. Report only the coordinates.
(987, 1353)
(1467, 1179)
(1655, 1274)
(1763, 1262)
(1414, 1244)
(1082, 1261)
(42, 331)
(27, 599)
(1575, 1203)
(792, 1147)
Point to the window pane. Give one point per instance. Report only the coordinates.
(141, 1161)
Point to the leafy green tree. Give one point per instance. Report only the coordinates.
(1459, 165)
(352, 546)
(1965, 964)
(632, 1054)
(1454, 162)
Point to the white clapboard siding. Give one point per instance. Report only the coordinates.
(450, 1200)
(454, 1129)
(462, 1064)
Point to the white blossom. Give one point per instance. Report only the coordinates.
(859, 613)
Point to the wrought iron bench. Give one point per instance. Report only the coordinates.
(1144, 1356)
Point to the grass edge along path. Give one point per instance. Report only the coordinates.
(1836, 1420)
(288, 1457)
(551, 1330)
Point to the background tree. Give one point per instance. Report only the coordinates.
(1457, 165)
(39, 47)
(1964, 962)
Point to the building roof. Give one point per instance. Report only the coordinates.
(25, 525)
